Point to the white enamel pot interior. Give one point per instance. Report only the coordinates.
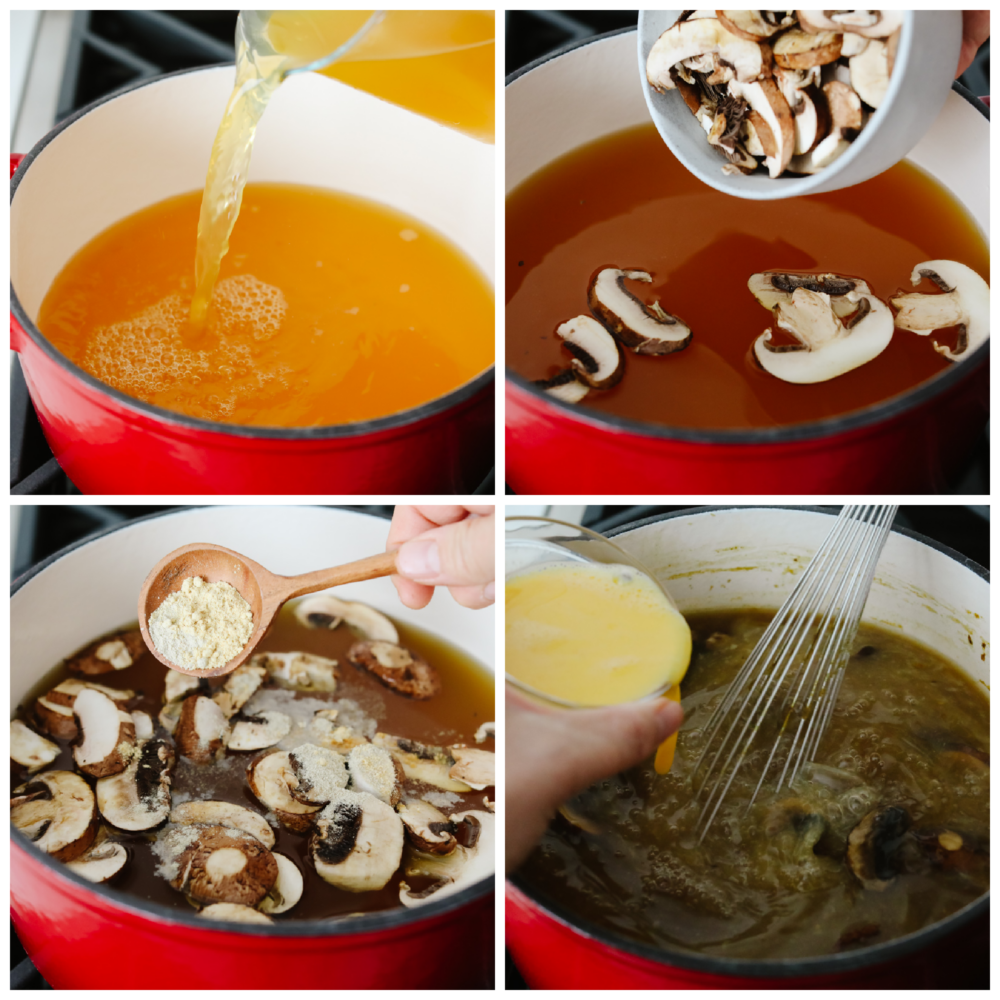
(93, 588)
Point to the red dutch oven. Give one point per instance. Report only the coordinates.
(727, 558)
(152, 141)
(914, 443)
(85, 936)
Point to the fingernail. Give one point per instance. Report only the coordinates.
(419, 560)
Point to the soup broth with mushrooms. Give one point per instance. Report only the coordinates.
(624, 201)
(910, 732)
(453, 716)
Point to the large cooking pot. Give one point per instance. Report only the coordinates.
(725, 558)
(915, 443)
(151, 142)
(84, 936)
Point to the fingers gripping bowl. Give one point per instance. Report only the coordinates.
(124, 936)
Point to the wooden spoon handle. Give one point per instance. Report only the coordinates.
(383, 564)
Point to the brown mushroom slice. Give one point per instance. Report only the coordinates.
(29, 749)
(565, 387)
(240, 687)
(54, 710)
(223, 865)
(754, 25)
(100, 863)
(374, 770)
(56, 810)
(465, 866)
(764, 97)
(316, 774)
(477, 768)
(57, 720)
(210, 812)
(178, 686)
(867, 23)
(287, 889)
(827, 346)
(427, 764)
(397, 668)
(797, 49)
(299, 671)
(326, 611)
(870, 73)
(427, 828)
(139, 797)
(257, 732)
(358, 842)
(597, 358)
(770, 288)
(646, 330)
(269, 779)
(114, 652)
(965, 303)
(874, 844)
(703, 36)
(236, 912)
(107, 734)
(202, 730)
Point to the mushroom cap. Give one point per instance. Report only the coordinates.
(56, 810)
(473, 766)
(210, 812)
(421, 762)
(29, 749)
(629, 320)
(269, 778)
(224, 865)
(374, 770)
(113, 652)
(139, 797)
(397, 668)
(100, 863)
(107, 734)
(427, 828)
(317, 774)
(287, 890)
(327, 611)
(870, 73)
(255, 732)
(202, 731)
(239, 688)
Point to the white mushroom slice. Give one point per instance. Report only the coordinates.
(340, 738)
(317, 774)
(965, 303)
(486, 731)
(693, 38)
(113, 652)
(770, 288)
(29, 749)
(256, 732)
(54, 710)
(210, 812)
(358, 842)
(870, 73)
(427, 828)
(645, 330)
(374, 770)
(867, 23)
(217, 864)
(798, 49)
(143, 723)
(767, 100)
(139, 797)
(565, 387)
(56, 810)
(754, 25)
(427, 764)
(269, 779)
(827, 346)
(326, 611)
(108, 734)
(477, 768)
(853, 45)
(100, 863)
(202, 730)
(811, 120)
(820, 156)
(597, 358)
(239, 688)
(170, 715)
(178, 686)
(287, 891)
(236, 912)
(464, 867)
(300, 671)
(403, 671)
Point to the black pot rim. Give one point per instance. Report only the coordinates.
(182, 422)
(859, 958)
(126, 905)
(816, 430)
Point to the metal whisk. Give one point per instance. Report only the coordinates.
(786, 690)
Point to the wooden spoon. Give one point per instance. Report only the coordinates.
(264, 591)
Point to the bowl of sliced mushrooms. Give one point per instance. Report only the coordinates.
(767, 104)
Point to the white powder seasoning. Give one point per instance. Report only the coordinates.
(201, 626)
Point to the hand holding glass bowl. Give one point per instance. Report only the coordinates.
(588, 629)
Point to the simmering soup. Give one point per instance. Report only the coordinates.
(908, 741)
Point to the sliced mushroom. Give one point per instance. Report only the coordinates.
(766, 99)
(178, 686)
(223, 865)
(965, 303)
(565, 387)
(108, 734)
(202, 730)
(770, 288)
(427, 828)
(209, 812)
(56, 810)
(827, 346)
(428, 764)
(256, 732)
(870, 73)
(374, 770)
(269, 778)
(328, 734)
(646, 330)
(358, 842)
(466, 865)
(286, 891)
(29, 749)
(100, 863)
(867, 23)
(477, 768)
(797, 49)
(139, 797)
(597, 358)
(754, 25)
(326, 611)
(54, 710)
(143, 723)
(317, 774)
(873, 847)
(300, 671)
(239, 688)
(236, 912)
(487, 731)
(113, 652)
(397, 668)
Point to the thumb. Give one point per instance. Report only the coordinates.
(459, 554)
